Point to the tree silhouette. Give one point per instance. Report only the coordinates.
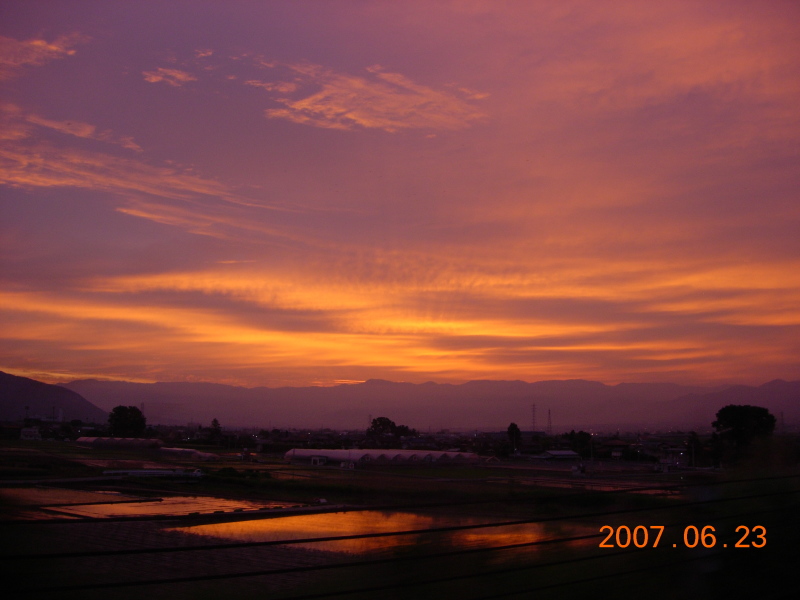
(384, 426)
(515, 435)
(215, 431)
(738, 426)
(126, 421)
(381, 426)
(741, 424)
(579, 442)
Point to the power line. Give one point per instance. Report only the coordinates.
(374, 562)
(518, 568)
(305, 569)
(451, 578)
(509, 570)
(395, 507)
(381, 534)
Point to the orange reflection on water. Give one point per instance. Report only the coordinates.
(361, 522)
(174, 505)
(499, 536)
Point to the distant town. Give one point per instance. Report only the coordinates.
(710, 445)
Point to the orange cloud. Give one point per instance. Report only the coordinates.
(83, 130)
(284, 87)
(48, 166)
(173, 77)
(27, 162)
(16, 54)
(385, 100)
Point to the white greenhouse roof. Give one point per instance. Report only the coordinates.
(379, 455)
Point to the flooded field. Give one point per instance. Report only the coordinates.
(45, 503)
(471, 534)
(354, 523)
(280, 556)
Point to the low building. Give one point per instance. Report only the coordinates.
(351, 458)
(188, 454)
(561, 455)
(113, 442)
(30, 434)
(175, 473)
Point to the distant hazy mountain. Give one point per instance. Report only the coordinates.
(782, 398)
(476, 404)
(44, 401)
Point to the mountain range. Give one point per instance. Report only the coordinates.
(570, 404)
(21, 397)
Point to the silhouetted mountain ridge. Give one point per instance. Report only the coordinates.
(21, 397)
(572, 403)
(782, 398)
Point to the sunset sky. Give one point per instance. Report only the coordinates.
(309, 193)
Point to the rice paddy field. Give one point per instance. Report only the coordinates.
(269, 529)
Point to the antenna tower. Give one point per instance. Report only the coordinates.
(549, 424)
(533, 418)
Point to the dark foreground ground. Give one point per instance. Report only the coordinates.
(511, 530)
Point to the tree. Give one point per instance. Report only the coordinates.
(515, 436)
(215, 432)
(126, 421)
(580, 442)
(381, 426)
(405, 431)
(738, 426)
(741, 424)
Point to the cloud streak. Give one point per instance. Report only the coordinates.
(381, 100)
(15, 55)
(172, 77)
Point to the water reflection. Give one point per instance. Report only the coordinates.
(175, 505)
(44, 496)
(360, 522)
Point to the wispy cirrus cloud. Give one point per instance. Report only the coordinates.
(83, 130)
(322, 97)
(173, 77)
(284, 87)
(29, 160)
(48, 166)
(171, 195)
(16, 54)
(380, 100)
